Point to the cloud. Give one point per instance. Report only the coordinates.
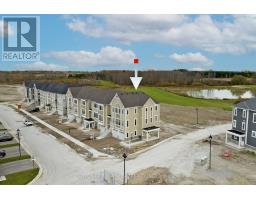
(196, 58)
(235, 35)
(198, 69)
(107, 56)
(41, 66)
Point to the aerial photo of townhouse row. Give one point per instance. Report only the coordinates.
(132, 100)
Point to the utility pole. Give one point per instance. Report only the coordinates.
(197, 116)
(124, 156)
(18, 134)
(210, 157)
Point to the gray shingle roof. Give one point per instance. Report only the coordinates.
(105, 96)
(247, 104)
(98, 95)
(29, 84)
(132, 99)
(49, 87)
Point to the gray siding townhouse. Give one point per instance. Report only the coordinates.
(243, 132)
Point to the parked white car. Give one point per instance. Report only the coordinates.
(28, 123)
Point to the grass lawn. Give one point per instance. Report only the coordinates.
(11, 159)
(171, 98)
(107, 84)
(9, 145)
(20, 178)
(245, 86)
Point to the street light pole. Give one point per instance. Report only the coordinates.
(196, 115)
(210, 157)
(18, 134)
(124, 156)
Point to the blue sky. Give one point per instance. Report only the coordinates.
(166, 42)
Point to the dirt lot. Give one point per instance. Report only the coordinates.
(186, 116)
(107, 145)
(11, 93)
(237, 169)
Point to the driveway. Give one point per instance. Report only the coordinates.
(62, 165)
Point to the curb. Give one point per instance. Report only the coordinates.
(65, 135)
(27, 150)
(153, 146)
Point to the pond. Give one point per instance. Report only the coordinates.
(220, 94)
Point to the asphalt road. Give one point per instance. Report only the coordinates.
(62, 165)
(17, 166)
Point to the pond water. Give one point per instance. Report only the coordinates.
(219, 94)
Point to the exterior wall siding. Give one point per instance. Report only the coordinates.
(125, 123)
(240, 119)
(251, 141)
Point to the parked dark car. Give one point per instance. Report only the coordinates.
(5, 137)
(2, 153)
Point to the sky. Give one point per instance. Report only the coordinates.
(161, 42)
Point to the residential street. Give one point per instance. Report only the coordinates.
(62, 165)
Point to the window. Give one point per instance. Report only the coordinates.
(243, 126)
(254, 118)
(135, 133)
(156, 107)
(244, 113)
(151, 119)
(235, 111)
(234, 123)
(146, 121)
(135, 122)
(127, 112)
(135, 110)
(127, 135)
(127, 123)
(156, 118)
(254, 134)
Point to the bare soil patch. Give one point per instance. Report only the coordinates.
(150, 176)
(11, 93)
(187, 116)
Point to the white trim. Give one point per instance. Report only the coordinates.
(235, 112)
(243, 126)
(253, 134)
(234, 123)
(254, 117)
(246, 131)
(244, 113)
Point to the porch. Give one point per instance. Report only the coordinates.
(235, 139)
(150, 133)
(89, 124)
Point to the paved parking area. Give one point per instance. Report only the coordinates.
(13, 151)
(17, 166)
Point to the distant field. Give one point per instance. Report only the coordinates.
(171, 98)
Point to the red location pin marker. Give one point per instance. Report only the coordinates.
(136, 61)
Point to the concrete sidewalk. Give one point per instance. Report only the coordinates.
(17, 166)
(96, 154)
